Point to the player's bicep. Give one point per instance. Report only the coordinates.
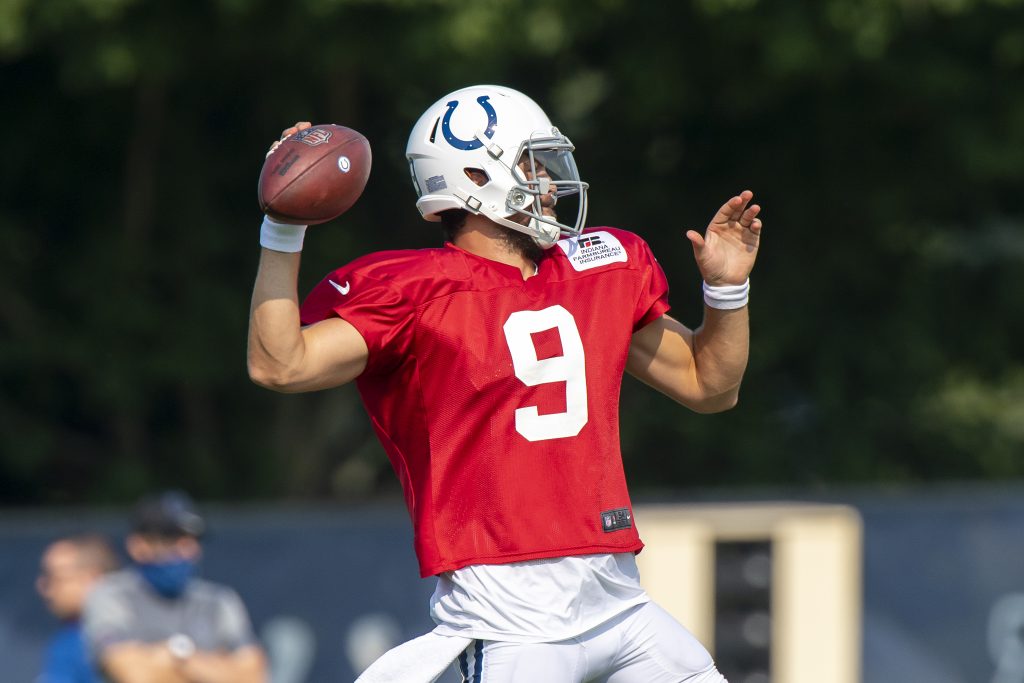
(335, 353)
(661, 355)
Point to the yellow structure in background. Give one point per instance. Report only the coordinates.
(816, 577)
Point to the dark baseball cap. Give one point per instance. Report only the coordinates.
(170, 514)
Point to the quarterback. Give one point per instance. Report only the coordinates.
(491, 368)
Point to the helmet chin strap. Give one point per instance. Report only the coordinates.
(541, 228)
(544, 234)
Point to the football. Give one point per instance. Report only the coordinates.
(314, 175)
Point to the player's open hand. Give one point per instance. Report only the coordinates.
(726, 252)
(287, 133)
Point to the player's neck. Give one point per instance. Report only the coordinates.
(489, 240)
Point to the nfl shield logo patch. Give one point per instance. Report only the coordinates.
(613, 520)
(313, 136)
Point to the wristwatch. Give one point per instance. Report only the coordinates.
(181, 646)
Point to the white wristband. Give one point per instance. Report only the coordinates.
(281, 236)
(727, 297)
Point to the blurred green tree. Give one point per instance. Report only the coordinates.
(884, 138)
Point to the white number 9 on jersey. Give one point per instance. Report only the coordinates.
(569, 368)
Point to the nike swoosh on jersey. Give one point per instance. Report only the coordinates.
(341, 288)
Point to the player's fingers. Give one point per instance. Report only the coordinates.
(748, 216)
(696, 239)
(287, 133)
(732, 209)
(724, 214)
(739, 204)
(292, 130)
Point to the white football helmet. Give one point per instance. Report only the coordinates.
(508, 142)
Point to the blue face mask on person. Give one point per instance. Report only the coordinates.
(171, 578)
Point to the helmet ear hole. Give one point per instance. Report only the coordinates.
(478, 176)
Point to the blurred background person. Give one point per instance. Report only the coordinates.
(157, 621)
(69, 568)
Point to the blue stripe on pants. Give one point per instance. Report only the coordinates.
(478, 663)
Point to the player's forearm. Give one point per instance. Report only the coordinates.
(276, 345)
(244, 666)
(141, 663)
(721, 348)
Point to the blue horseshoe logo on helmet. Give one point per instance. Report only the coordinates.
(467, 145)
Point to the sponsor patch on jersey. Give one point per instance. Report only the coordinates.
(614, 520)
(593, 249)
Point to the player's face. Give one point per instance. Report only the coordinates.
(533, 172)
(64, 581)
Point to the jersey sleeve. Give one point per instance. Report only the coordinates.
(374, 306)
(652, 302)
(107, 619)
(65, 659)
(234, 628)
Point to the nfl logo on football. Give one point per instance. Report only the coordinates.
(313, 136)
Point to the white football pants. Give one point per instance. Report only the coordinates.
(642, 645)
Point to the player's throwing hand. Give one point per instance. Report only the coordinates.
(725, 254)
(287, 133)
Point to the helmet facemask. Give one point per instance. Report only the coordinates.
(545, 176)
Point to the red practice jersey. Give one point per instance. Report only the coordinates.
(497, 399)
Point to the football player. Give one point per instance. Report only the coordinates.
(491, 370)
